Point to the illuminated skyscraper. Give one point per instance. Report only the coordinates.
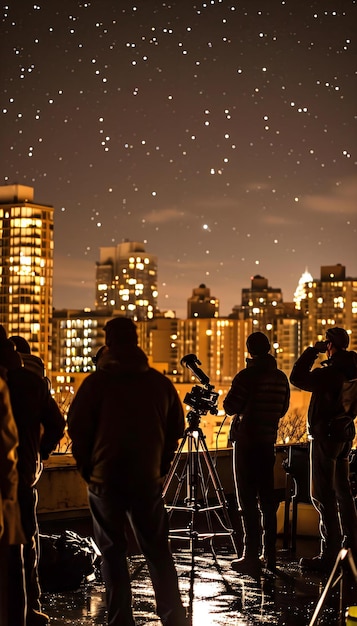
(301, 290)
(126, 281)
(26, 268)
(330, 300)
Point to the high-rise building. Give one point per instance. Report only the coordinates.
(280, 321)
(330, 301)
(260, 302)
(301, 291)
(202, 304)
(26, 268)
(77, 336)
(126, 281)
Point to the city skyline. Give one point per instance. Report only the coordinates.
(220, 135)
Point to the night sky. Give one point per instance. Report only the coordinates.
(222, 134)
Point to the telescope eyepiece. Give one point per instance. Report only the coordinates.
(190, 359)
(192, 362)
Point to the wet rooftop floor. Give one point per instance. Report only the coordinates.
(215, 595)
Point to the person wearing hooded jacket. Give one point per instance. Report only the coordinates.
(125, 422)
(258, 398)
(12, 589)
(334, 396)
(40, 426)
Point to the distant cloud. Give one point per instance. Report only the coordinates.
(278, 220)
(341, 199)
(258, 186)
(163, 216)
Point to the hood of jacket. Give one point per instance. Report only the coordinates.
(129, 359)
(265, 362)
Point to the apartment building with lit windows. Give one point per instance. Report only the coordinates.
(279, 320)
(202, 304)
(26, 268)
(126, 281)
(329, 301)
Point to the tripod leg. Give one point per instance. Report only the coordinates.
(217, 487)
(340, 558)
(174, 465)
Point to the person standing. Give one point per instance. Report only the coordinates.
(12, 589)
(40, 426)
(125, 422)
(258, 398)
(334, 396)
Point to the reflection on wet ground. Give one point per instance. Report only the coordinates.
(216, 595)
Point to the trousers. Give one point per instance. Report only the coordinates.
(332, 497)
(254, 481)
(144, 509)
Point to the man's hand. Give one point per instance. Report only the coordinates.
(321, 346)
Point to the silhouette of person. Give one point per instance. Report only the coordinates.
(40, 426)
(125, 422)
(258, 398)
(12, 590)
(334, 393)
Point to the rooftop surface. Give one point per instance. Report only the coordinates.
(214, 594)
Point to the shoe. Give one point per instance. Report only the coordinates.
(271, 565)
(318, 563)
(246, 565)
(37, 618)
(268, 563)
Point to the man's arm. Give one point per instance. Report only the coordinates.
(236, 397)
(174, 431)
(301, 375)
(81, 421)
(235, 402)
(53, 424)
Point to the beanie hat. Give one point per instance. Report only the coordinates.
(258, 344)
(338, 337)
(22, 345)
(120, 331)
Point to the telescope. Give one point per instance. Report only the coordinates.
(191, 362)
(201, 399)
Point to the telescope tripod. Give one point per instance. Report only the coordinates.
(200, 476)
(343, 559)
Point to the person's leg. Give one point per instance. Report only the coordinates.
(15, 591)
(265, 468)
(323, 494)
(28, 498)
(150, 524)
(245, 477)
(108, 514)
(345, 500)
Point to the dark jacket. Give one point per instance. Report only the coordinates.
(326, 384)
(259, 397)
(39, 421)
(125, 421)
(10, 524)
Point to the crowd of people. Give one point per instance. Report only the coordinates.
(125, 423)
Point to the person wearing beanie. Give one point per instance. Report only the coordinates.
(125, 422)
(120, 331)
(331, 414)
(258, 398)
(30, 361)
